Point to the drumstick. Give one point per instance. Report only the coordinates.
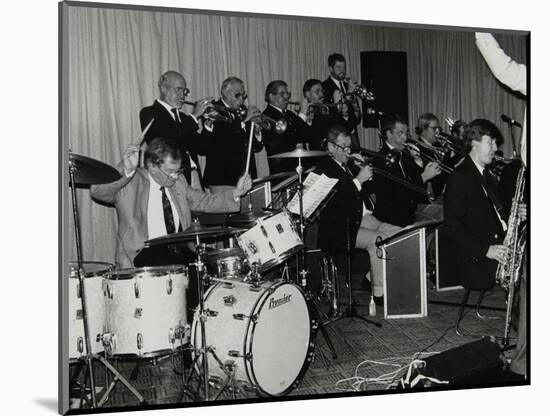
(141, 142)
(249, 147)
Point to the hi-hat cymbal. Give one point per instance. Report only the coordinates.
(189, 235)
(298, 153)
(88, 171)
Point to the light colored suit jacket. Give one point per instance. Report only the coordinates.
(131, 197)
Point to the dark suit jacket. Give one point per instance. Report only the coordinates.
(226, 153)
(190, 141)
(297, 132)
(395, 203)
(471, 225)
(343, 209)
(351, 123)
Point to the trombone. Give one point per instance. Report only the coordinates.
(422, 149)
(390, 159)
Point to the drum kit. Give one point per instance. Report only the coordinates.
(253, 328)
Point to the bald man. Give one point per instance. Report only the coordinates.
(171, 122)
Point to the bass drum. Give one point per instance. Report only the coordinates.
(263, 330)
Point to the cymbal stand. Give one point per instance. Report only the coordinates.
(303, 272)
(202, 352)
(90, 357)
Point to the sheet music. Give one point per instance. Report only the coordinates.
(316, 189)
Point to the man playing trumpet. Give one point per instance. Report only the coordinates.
(227, 147)
(337, 88)
(170, 121)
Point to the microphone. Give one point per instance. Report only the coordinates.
(509, 120)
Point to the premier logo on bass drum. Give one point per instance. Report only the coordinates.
(274, 303)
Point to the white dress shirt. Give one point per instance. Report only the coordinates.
(156, 226)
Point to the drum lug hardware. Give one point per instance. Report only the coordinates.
(136, 289)
(79, 314)
(172, 336)
(242, 317)
(210, 312)
(138, 313)
(80, 345)
(78, 292)
(109, 290)
(169, 286)
(229, 300)
(139, 342)
(237, 354)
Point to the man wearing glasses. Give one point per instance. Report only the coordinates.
(155, 200)
(170, 121)
(346, 221)
(427, 128)
(227, 148)
(395, 203)
(277, 97)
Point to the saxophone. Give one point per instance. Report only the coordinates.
(508, 273)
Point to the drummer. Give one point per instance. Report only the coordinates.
(155, 200)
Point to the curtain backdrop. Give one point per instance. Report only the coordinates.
(116, 57)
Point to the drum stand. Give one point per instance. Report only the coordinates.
(201, 353)
(89, 358)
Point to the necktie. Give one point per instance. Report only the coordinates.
(176, 115)
(168, 214)
(342, 87)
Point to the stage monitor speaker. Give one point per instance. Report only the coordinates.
(477, 362)
(384, 74)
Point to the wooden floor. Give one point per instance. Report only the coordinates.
(356, 342)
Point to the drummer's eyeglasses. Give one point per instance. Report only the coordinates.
(342, 148)
(173, 173)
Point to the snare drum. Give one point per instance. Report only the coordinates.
(271, 241)
(226, 263)
(263, 331)
(94, 274)
(147, 310)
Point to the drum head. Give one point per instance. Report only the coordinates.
(280, 339)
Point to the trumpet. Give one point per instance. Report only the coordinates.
(267, 123)
(216, 112)
(361, 92)
(318, 108)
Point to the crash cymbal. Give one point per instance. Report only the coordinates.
(273, 177)
(299, 153)
(190, 234)
(88, 171)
